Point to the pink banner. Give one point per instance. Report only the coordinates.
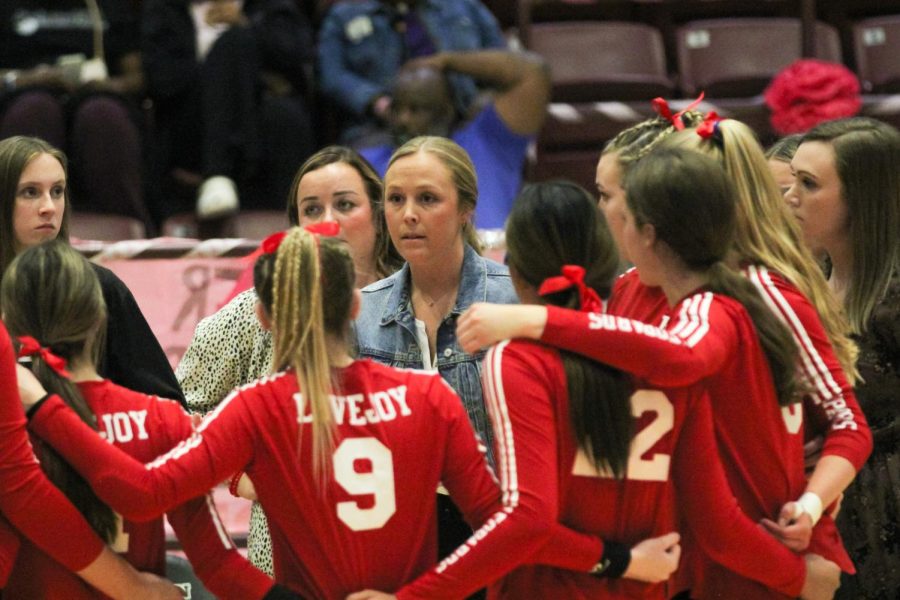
(174, 294)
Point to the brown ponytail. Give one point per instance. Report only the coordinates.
(51, 293)
(554, 224)
(691, 203)
(776, 340)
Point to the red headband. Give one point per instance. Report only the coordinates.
(709, 128)
(31, 346)
(325, 228)
(573, 276)
(662, 109)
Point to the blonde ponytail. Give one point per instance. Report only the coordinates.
(292, 285)
(299, 328)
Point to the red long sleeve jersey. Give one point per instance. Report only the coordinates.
(539, 462)
(28, 500)
(145, 427)
(830, 409)
(710, 338)
(370, 525)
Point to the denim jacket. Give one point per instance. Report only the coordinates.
(386, 330)
(360, 51)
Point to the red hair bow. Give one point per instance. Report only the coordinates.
(710, 125)
(662, 109)
(271, 243)
(573, 276)
(325, 228)
(30, 347)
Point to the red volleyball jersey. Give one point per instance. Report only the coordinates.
(710, 338)
(830, 409)
(28, 501)
(673, 457)
(144, 427)
(370, 524)
(631, 298)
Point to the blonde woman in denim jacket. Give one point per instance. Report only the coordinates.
(408, 320)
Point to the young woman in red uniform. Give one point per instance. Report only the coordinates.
(770, 252)
(356, 447)
(62, 317)
(564, 428)
(767, 248)
(677, 227)
(30, 503)
(767, 245)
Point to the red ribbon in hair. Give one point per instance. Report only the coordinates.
(31, 346)
(270, 244)
(662, 109)
(710, 125)
(325, 228)
(573, 276)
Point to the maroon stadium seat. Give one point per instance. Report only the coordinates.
(602, 60)
(738, 57)
(876, 45)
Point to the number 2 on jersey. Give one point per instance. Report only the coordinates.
(379, 483)
(654, 468)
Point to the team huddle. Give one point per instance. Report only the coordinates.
(552, 428)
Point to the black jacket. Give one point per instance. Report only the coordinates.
(132, 357)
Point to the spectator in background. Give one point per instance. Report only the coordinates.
(34, 208)
(496, 138)
(71, 75)
(229, 82)
(363, 45)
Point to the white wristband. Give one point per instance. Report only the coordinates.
(811, 504)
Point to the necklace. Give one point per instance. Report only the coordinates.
(431, 302)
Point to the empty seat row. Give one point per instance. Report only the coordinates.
(609, 60)
(604, 73)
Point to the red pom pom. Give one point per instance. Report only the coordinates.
(808, 92)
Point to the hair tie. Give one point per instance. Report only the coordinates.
(573, 276)
(30, 347)
(662, 109)
(709, 128)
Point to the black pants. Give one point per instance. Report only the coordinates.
(228, 123)
(452, 533)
